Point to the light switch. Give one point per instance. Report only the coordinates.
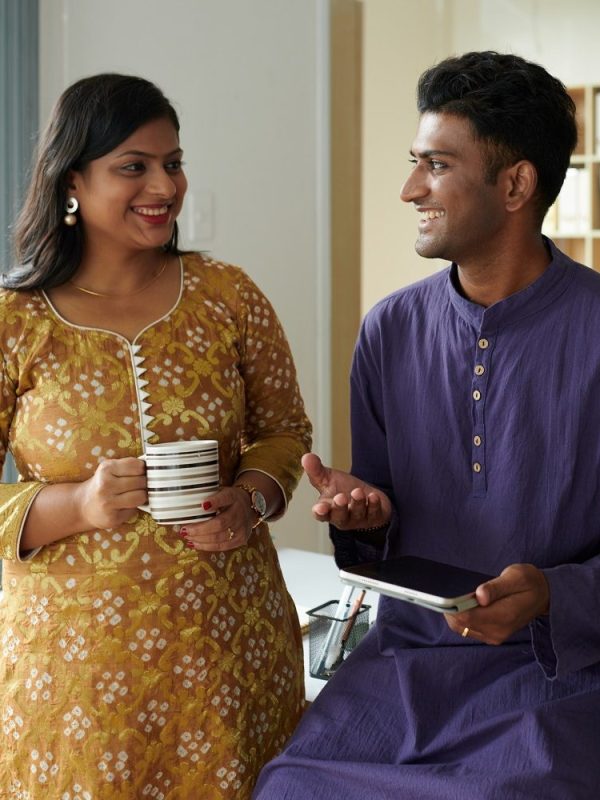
(199, 214)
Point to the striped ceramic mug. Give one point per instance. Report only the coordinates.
(180, 476)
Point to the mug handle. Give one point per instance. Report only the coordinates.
(146, 506)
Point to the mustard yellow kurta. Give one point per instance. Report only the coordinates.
(132, 666)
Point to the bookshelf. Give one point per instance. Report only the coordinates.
(573, 222)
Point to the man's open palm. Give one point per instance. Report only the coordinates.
(345, 501)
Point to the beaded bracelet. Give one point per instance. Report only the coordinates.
(371, 530)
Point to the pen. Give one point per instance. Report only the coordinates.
(334, 650)
(353, 615)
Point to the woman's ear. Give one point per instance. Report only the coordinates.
(71, 180)
(521, 184)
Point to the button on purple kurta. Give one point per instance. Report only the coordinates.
(483, 425)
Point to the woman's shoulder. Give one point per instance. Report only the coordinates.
(197, 262)
(20, 315)
(15, 302)
(209, 274)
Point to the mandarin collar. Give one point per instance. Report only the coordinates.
(533, 298)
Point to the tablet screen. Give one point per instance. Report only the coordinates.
(432, 578)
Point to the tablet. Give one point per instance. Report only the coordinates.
(431, 584)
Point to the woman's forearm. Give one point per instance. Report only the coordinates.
(54, 514)
(107, 499)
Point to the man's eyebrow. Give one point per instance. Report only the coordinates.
(431, 153)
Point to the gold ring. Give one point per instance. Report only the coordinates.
(465, 632)
(231, 533)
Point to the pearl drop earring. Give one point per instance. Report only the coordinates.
(71, 207)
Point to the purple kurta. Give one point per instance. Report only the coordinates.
(483, 425)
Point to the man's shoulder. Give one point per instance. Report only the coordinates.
(586, 279)
(420, 297)
(582, 300)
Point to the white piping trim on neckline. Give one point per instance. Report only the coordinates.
(75, 325)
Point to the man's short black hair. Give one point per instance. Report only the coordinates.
(516, 108)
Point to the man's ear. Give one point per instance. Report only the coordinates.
(521, 184)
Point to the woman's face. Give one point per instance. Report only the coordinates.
(131, 196)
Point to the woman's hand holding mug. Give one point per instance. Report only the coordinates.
(177, 483)
(231, 526)
(113, 493)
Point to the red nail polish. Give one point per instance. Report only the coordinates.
(192, 546)
(206, 505)
(183, 531)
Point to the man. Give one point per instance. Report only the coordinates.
(476, 442)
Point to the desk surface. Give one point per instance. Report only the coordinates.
(312, 579)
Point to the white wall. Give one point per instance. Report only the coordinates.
(563, 37)
(403, 37)
(248, 79)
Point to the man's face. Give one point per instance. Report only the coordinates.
(461, 216)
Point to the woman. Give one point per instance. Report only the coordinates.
(138, 659)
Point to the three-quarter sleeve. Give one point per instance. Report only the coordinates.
(15, 498)
(277, 430)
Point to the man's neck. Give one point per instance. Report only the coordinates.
(488, 283)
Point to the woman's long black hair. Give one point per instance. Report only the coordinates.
(90, 119)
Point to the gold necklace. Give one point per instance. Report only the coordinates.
(128, 294)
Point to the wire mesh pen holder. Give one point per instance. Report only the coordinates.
(332, 637)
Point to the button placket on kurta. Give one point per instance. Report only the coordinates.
(485, 323)
(479, 389)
